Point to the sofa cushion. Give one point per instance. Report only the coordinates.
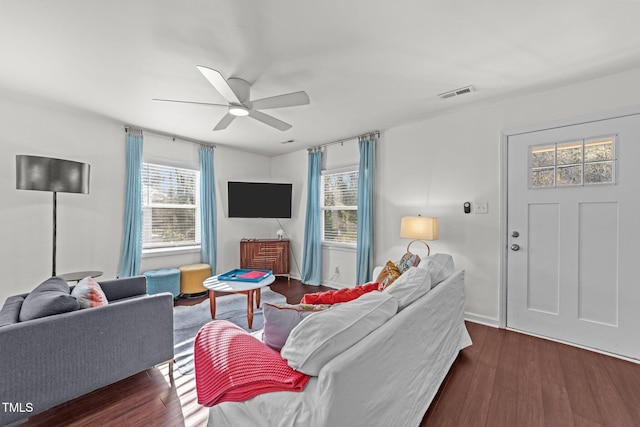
(340, 295)
(440, 266)
(50, 297)
(323, 336)
(408, 260)
(413, 284)
(388, 274)
(10, 312)
(89, 293)
(279, 321)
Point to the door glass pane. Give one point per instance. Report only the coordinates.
(601, 172)
(543, 156)
(569, 153)
(598, 150)
(569, 175)
(582, 162)
(542, 177)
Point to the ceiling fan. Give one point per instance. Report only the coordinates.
(236, 92)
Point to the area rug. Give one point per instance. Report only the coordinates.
(187, 321)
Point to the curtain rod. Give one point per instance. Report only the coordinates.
(173, 137)
(340, 141)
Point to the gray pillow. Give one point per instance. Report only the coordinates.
(11, 310)
(50, 297)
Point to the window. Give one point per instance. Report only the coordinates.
(171, 207)
(340, 206)
(573, 163)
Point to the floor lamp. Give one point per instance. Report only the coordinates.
(55, 175)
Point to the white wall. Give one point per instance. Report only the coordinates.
(292, 168)
(90, 226)
(432, 167)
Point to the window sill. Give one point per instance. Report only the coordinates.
(151, 253)
(347, 247)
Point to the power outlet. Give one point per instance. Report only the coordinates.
(481, 207)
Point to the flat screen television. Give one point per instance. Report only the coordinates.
(259, 199)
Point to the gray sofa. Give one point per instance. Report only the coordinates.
(47, 361)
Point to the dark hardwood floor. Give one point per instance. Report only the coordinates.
(505, 379)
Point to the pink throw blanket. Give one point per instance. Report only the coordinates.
(233, 366)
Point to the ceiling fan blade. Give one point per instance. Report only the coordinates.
(288, 100)
(269, 120)
(224, 122)
(188, 102)
(219, 83)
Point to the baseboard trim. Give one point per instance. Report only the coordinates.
(483, 320)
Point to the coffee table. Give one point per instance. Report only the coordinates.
(236, 286)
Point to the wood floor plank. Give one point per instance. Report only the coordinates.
(555, 399)
(530, 408)
(626, 377)
(583, 422)
(609, 401)
(447, 411)
(508, 366)
(475, 409)
(581, 397)
(557, 408)
(502, 407)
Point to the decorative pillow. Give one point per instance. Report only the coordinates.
(387, 276)
(408, 260)
(10, 312)
(89, 293)
(413, 284)
(340, 295)
(321, 337)
(279, 320)
(439, 266)
(50, 297)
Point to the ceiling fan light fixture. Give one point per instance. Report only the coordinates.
(238, 110)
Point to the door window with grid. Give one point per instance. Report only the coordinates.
(580, 162)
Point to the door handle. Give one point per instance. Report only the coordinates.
(515, 234)
(515, 247)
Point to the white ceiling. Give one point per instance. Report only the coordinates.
(366, 64)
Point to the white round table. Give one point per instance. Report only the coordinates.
(236, 286)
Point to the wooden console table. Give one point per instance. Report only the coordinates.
(265, 254)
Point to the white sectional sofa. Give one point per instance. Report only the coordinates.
(387, 378)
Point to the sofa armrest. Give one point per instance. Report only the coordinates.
(376, 272)
(125, 287)
(50, 360)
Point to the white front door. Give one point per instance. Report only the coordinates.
(573, 218)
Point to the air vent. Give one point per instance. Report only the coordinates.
(457, 92)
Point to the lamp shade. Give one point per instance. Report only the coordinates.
(419, 227)
(49, 174)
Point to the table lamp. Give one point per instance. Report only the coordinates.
(55, 175)
(419, 228)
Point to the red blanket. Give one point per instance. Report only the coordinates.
(340, 295)
(233, 366)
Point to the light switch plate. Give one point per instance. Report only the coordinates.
(481, 207)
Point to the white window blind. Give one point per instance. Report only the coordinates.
(171, 206)
(340, 206)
